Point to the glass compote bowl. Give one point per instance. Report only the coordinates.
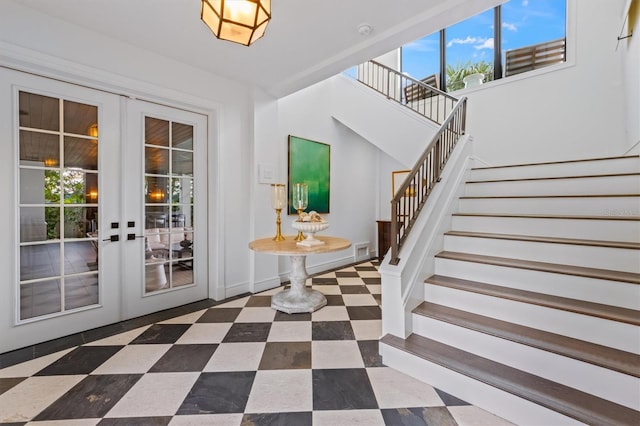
(310, 228)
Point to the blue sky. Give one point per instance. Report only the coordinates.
(524, 22)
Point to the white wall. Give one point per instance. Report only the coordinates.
(630, 51)
(573, 112)
(354, 171)
(49, 46)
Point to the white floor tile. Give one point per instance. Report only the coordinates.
(133, 359)
(276, 391)
(155, 394)
(358, 300)
(394, 389)
(236, 357)
(369, 274)
(205, 333)
(348, 418)
(367, 329)
(374, 288)
(350, 281)
(120, 339)
(27, 399)
(265, 314)
(66, 422)
(336, 354)
(331, 313)
(290, 331)
(327, 289)
(469, 415)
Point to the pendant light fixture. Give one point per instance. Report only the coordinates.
(240, 21)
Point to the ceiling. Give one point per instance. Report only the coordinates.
(305, 42)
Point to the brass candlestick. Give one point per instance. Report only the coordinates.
(278, 201)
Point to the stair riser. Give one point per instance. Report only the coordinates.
(503, 404)
(611, 385)
(618, 165)
(585, 206)
(580, 186)
(618, 335)
(613, 293)
(605, 230)
(618, 259)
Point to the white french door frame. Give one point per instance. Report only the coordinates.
(18, 63)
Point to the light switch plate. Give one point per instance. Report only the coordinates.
(266, 173)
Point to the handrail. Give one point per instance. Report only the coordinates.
(414, 191)
(425, 99)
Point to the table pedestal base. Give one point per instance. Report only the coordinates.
(298, 298)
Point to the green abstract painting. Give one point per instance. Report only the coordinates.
(309, 162)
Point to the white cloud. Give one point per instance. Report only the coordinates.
(509, 26)
(421, 46)
(468, 40)
(488, 44)
(525, 3)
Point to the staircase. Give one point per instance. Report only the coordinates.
(533, 311)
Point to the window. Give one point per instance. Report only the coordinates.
(529, 34)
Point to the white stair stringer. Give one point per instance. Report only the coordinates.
(602, 382)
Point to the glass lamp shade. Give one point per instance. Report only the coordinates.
(240, 21)
(300, 198)
(278, 196)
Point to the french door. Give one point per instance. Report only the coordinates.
(102, 217)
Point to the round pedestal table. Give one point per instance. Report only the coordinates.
(298, 298)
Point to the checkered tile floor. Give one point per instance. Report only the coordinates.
(238, 363)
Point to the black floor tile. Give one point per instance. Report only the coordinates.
(372, 280)
(82, 360)
(220, 315)
(258, 302)
(450, 400)
(248, 332)
(342, 389)
(365, 268)
(283, 316)
(286, 356)
(324, 281)
(304, 418)
(137, 421)
(347, 274)
(427, 416)
(370, 355)
(92, 398)
(334, 300)
(332, 330)
(364, 312)
(161, 333)
(354, 289)
(8, 383)
(182, 358)
(213, 393)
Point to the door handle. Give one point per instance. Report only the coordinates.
(131, 237)
(113, 238)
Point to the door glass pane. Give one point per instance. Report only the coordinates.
(40, 298)
(80, 119)
(156, 161)
(81, 153)
(39, 149)
(58, 183)
(168, 206)
(39, 112)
